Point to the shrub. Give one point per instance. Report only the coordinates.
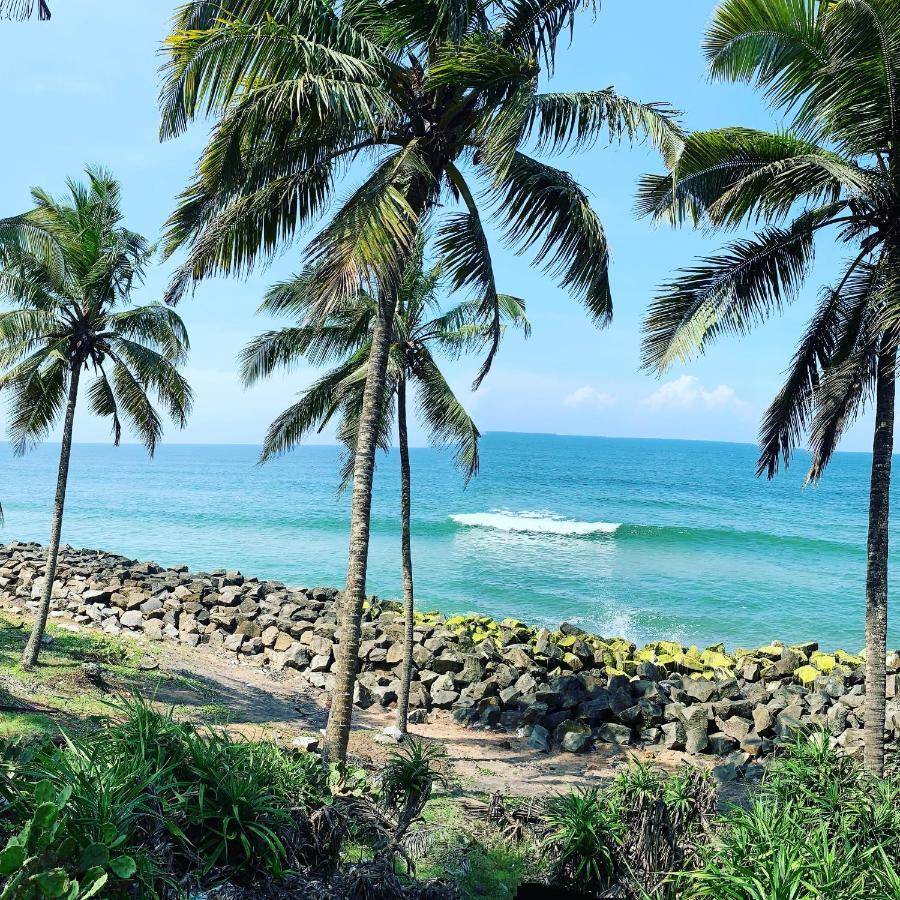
(817, 827)
(585, 836)
(53, 857)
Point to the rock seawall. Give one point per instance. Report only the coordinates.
(565, 689)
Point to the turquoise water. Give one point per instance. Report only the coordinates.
(640, 538)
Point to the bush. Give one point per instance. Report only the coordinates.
(173, 796)
(53, 857)
(585, 837)
(818, 827)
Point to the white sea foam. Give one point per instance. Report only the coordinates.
(533, 522)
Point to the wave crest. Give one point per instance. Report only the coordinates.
(533, 522)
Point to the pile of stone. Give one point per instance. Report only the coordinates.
(565, 689)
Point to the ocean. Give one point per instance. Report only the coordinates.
(644, 539)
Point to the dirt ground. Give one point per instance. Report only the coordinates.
(283, 706)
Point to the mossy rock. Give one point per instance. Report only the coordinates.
(716, 659)
(456, 621)
(689, 663)
(848, 659)
(666, 662)
(772, 651)
(807, 674)
(669, 648)
(823, 662)
(567, 641)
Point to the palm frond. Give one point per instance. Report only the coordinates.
(544, 208)
(38, 394)
(568, 122)
(536, 26)
(779, 44)
(862, 333)
(734, 174)
(102, 402)
(448, 422)
(313, 410)
(730, 292)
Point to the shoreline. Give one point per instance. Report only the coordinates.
(566, 689)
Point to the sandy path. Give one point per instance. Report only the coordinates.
(284, 706)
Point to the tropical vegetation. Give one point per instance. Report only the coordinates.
(422, 329)
(149, 805)
(834, 69)
(433, 95)
(67, 271)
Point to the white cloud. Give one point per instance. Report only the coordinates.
(687, 392)
(589, 396)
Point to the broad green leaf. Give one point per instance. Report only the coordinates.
(94, 881)
(44, 792)
(123, 867)
(11, 859)
(54, 883)
(93, 856)
(45, 815)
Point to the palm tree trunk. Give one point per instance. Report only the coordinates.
(877, 561)
(337, 734)
(33, 647)
(406, 557)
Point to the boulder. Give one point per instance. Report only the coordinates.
(539, 739)
(696, 723)
(131, 619)
(573, 736)
(612, 733)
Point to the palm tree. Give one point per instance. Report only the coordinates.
(24, 9)
(835, 69)
(345, 338)
(433, 94)
(67, 269)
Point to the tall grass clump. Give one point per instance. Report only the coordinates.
(172, 802)
(818, 826)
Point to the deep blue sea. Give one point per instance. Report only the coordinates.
(640, 538)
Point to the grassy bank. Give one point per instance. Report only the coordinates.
(194, 807)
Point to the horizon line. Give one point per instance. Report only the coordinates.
(425, 446)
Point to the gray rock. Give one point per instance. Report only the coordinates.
(573, 736)
(762, 720)
(674, 736)
(234, 642)
(443, 699)
(696, 723)
(788, 721)
(612, 733)
(539, 739)
(131, 619)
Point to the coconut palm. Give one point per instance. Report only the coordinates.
(834, 68)
(433, 95)
(67, 270)
(421, 327)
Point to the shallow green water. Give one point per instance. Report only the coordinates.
(646, 539)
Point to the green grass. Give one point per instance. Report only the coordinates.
(58, 685)
(66, 654)
(14, 725)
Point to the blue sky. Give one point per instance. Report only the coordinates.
(83, 88)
